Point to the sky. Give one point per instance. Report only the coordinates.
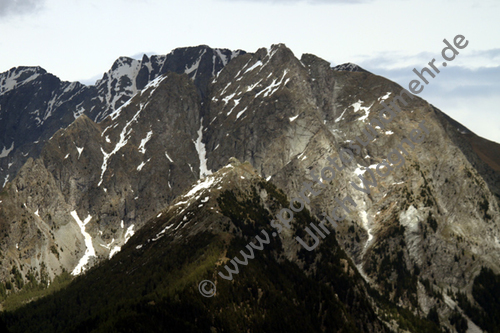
(78, 40)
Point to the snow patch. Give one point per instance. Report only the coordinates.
(239, 114)
(171, 161)
(129, 233)
(114, 251)
(139, 168)
(236, 102)
(10, 80)
(202, 152)
(222, 57)
(195, 66)
(366, 225)
(89, 251)
(274, 86)
(257, 64)
(206, 183)
(252, 87)
(124, 136)
(79, 151)
(5, 152)
(142, 148)
(357, 107)
(342, 115)
(160, 234)
(358, 171)
(5, 180)
(383, 98)
(228, 98)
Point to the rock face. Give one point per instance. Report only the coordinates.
(421, 230)
(35, 104)
(350, 67)
(206, 226)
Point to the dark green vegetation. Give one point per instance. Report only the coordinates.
(486, 292)
(390, 259)
(132, 291)
(18, 290)
(154, 288)
(460, 323)
(34, 290)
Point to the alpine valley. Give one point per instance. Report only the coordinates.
(119, 198)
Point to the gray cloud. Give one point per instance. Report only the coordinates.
(312, 2)
(459, 79)
(469, 95)
(19, 7)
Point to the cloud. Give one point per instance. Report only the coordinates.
(475, 59)
(312, 2)
(467, 90)
(19, 7)
(472, 74)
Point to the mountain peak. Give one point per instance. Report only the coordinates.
(349, 67)
(275, 53)
(124, 61)
(18, 76)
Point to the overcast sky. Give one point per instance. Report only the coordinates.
(80, 39)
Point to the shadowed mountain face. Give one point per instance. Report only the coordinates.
(418, 241)
(35, 104)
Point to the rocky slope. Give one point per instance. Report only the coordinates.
(194, 238)
(35, 104)
(421, 234)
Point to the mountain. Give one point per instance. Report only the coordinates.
(35, 104)
(349, 67)
(203, 228)
(420, 229)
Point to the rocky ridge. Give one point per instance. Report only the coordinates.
(35, 104)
